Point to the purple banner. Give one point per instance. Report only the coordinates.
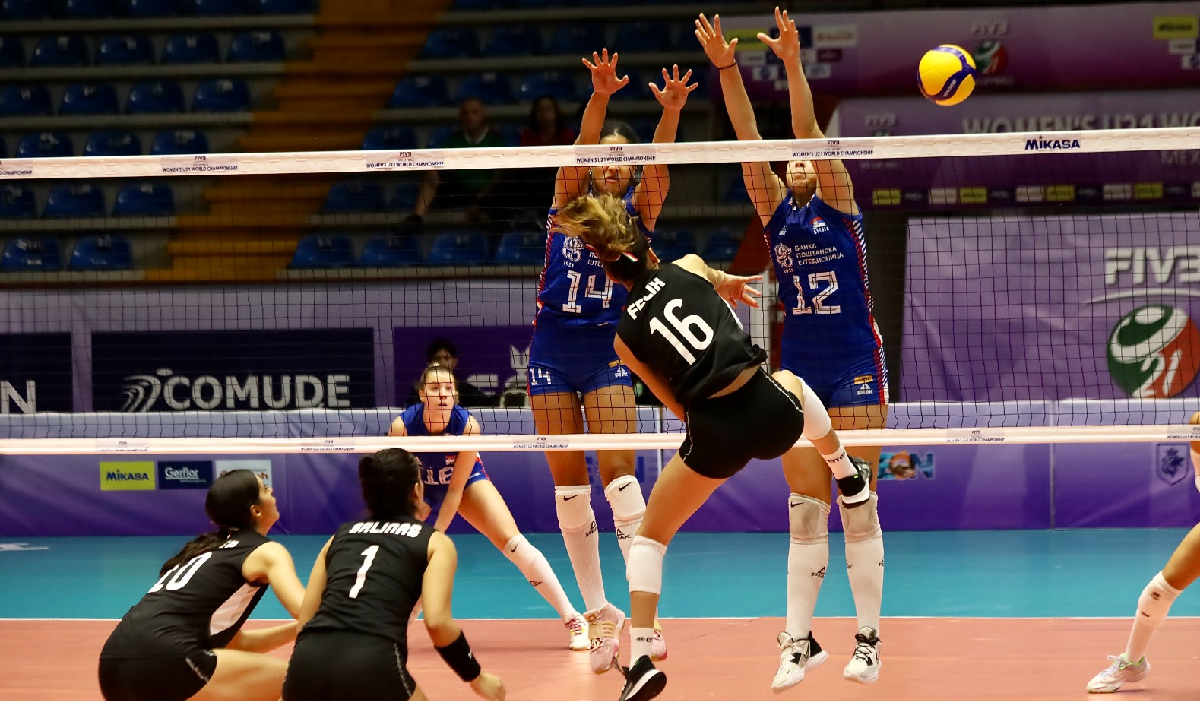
(1124, 486)
(1130, 46)
(35, 372)
(1021, 308)
(492, 359)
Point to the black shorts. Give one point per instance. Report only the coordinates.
(761, 420)
(335, 665)
(166, 676)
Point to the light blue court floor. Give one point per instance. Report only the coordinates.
(1087, 573)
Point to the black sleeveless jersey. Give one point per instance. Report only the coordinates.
(373, 576)
(200, 604)
(677, 324)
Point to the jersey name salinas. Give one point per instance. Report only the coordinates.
(677, 324)
(436, 468)
(820, 258)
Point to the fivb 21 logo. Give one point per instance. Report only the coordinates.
(1154, 352)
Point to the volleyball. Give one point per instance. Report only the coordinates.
(946, 75)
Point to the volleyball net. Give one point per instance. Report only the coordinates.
(1040, 287)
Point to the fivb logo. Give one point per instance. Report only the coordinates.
(1154, 352)
(209, 393)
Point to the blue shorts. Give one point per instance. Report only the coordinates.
(435, 494)
(855, 381)
(576, 360)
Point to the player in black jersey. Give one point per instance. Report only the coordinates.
(183, 640)
(679, 334)
(353, 642)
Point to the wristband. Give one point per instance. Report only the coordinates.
(732, 65)
(459, 658)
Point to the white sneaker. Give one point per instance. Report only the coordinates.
(604, 634)
(1120, 671)
(658, 646)
(864, 663)
(795, 658)
(578, 629)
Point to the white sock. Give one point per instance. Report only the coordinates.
(583, 547)
(864, 568)
(839, 463)
(805, 573)
(640, 638)
(534, 566)
(1153, 606)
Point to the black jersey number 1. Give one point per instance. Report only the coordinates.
(691, 328)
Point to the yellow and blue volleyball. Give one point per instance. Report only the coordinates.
(946, 75)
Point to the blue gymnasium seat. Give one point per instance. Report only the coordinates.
(404, 197)
(24, 101)
(396, 138)
(577, 38)
(215, 8)
(85, 99)
(13, 10)
(323, 251)
(78, 200)
(178, 142)
(280, 7)
(514, 40)
(673, 245)
(489, 88)
(637, 88)
(153, 8)
(12, 52)
(17, 201)
(45, 144)
(439, 134)
(521, 248)
(113, 142)
(479, 5)
(256, 47)
(354, 196)
(31, 253)
(462, 248)
(643, 36)
(722, 245)
(57, 51)
(105, 252)
(542, 4)
(155, 97)
(735, 190)
(391, 252)
(148, 199)
(87, 9)
(125, 50)
(557, 84)
(451, 42)
(419, 91)
(191, 47)
(222, 95)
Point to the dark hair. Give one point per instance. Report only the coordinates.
(228, 506)
(432, 368)
(387, 480)
(620, 128)
(608, 229)
(559, 120)
(439, 344)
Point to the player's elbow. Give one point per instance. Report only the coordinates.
(441, 627)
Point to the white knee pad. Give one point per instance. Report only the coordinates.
(861, 522)
(1155, 601)
(644, 570)
(817, 423)
(624, 494)
(574, 507)
(808, 519)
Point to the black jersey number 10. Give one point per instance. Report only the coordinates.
(691, 328)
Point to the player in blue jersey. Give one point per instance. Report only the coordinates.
(574, 373)
(815, 235)
(457, 483)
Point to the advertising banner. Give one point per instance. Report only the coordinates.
(233, 370)
(1026, 308)
(35, 372)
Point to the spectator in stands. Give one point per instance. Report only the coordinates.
(476, 191)
(443, 352)
(546, 127)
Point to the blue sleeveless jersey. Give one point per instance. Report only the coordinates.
(573, 290)
(820, 259)
(437, 467)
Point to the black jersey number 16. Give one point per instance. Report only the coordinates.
(691, 328)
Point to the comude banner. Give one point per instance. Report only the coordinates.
(233, 370)
(35, 372)
(1020, 308)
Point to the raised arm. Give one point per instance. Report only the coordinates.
(833, 180)
(734, 289)
(570, 181)
(766, 189)
(651, 192)
(463, 465)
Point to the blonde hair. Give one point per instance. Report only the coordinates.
(603, 223)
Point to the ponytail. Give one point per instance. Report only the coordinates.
(388, 478)
(607, 228)
(228, 506)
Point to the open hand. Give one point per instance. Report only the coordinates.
(720, 52)
(604, 73)
(675, 90)
(787, 46)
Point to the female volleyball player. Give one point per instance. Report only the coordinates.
(1181, 570)
(184, 640)
(353, 642)
(679, 334)
(815, 235)
(456, 481)
(573, 372)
